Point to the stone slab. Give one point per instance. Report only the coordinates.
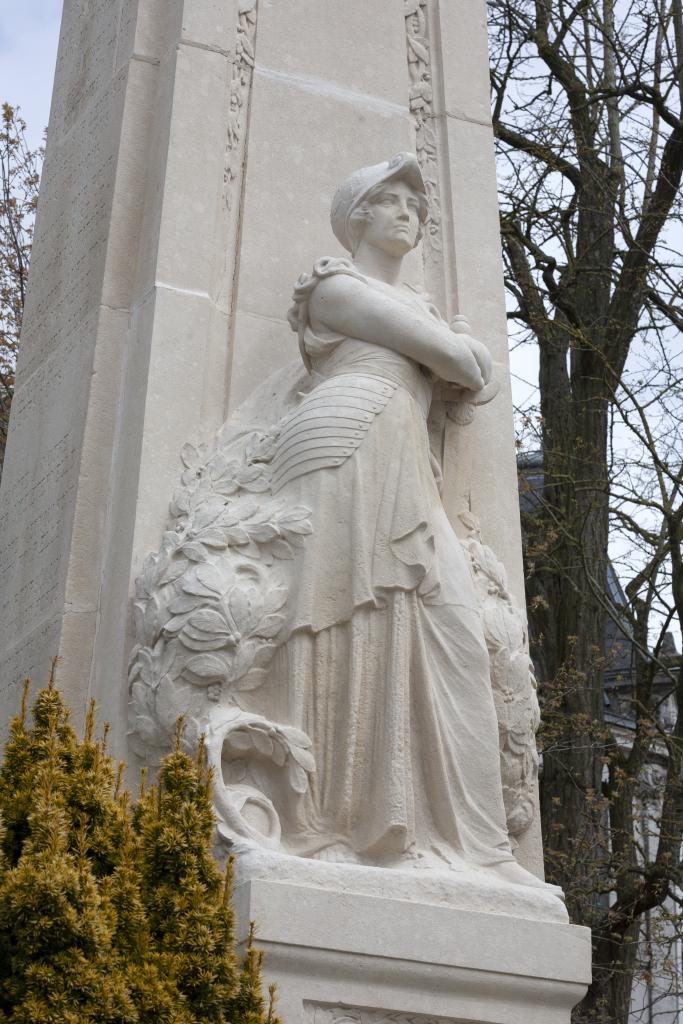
(340, 956)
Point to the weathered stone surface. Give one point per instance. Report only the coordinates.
(340, 957)
(194, 148)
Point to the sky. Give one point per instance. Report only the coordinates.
(29, 33)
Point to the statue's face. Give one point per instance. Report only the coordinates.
(394, 224)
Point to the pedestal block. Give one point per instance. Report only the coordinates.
(349, 945)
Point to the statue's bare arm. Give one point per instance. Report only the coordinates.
(345, 305)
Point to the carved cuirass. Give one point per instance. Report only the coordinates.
(328, 425)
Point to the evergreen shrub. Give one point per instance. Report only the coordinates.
(113, 911)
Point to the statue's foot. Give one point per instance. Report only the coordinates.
(512, 872)
(337, 853)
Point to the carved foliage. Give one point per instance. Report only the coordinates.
(512, 678)
(240, 86)
(422, 111)
(208, 613)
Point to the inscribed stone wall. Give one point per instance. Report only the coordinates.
(73, 334)
(40, 479)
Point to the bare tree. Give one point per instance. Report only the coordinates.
(587, 116)
(19, 183)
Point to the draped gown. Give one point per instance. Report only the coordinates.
(385, 666)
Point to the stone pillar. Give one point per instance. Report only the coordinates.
(193, 150)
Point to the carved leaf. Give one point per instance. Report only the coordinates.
(204, 517)
(260, 448)
(248, 474)
(133, 663)
(258, 485)
(304, 758)
(139, 619)
(149, 573)
(295, 539)
(295, 736)
(469, 521)
(208, 620)
(152, 620)
(243, 660)
(252, 550)
(298, 779)
(207, 666)
(282, 549)
(245, 607)
(180, 502)
(211, 578)
(195, 551)
(173, 571)
(191, 456)
(270, 626)
(227, 485)
(240, 740)
(274, 600)
(141, 699)
(184, 603)
(204, 642)
(248, 50)
(214, 538)
(263, 743)
(175, 624)
(298, 520)
(166, 656)
(238, 510)
(146, 729)
(419, 49)
(279, 754)
(237, 535)
(262, 532)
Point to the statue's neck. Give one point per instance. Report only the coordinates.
(379, 264)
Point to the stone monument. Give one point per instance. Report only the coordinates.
(335, 602)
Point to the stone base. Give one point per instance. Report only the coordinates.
(414, 951)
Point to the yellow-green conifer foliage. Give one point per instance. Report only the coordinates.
(111, 913)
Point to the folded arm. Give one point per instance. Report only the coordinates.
(346, 305)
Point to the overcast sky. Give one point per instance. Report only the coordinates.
(29, 33)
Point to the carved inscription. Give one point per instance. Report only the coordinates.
(89, 40)
(72, 230)
(28, 659)
(39, 487)
(323, 1013)
(421, 103)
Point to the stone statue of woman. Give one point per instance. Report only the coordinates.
(371, 677)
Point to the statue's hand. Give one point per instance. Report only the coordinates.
(461, 327)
